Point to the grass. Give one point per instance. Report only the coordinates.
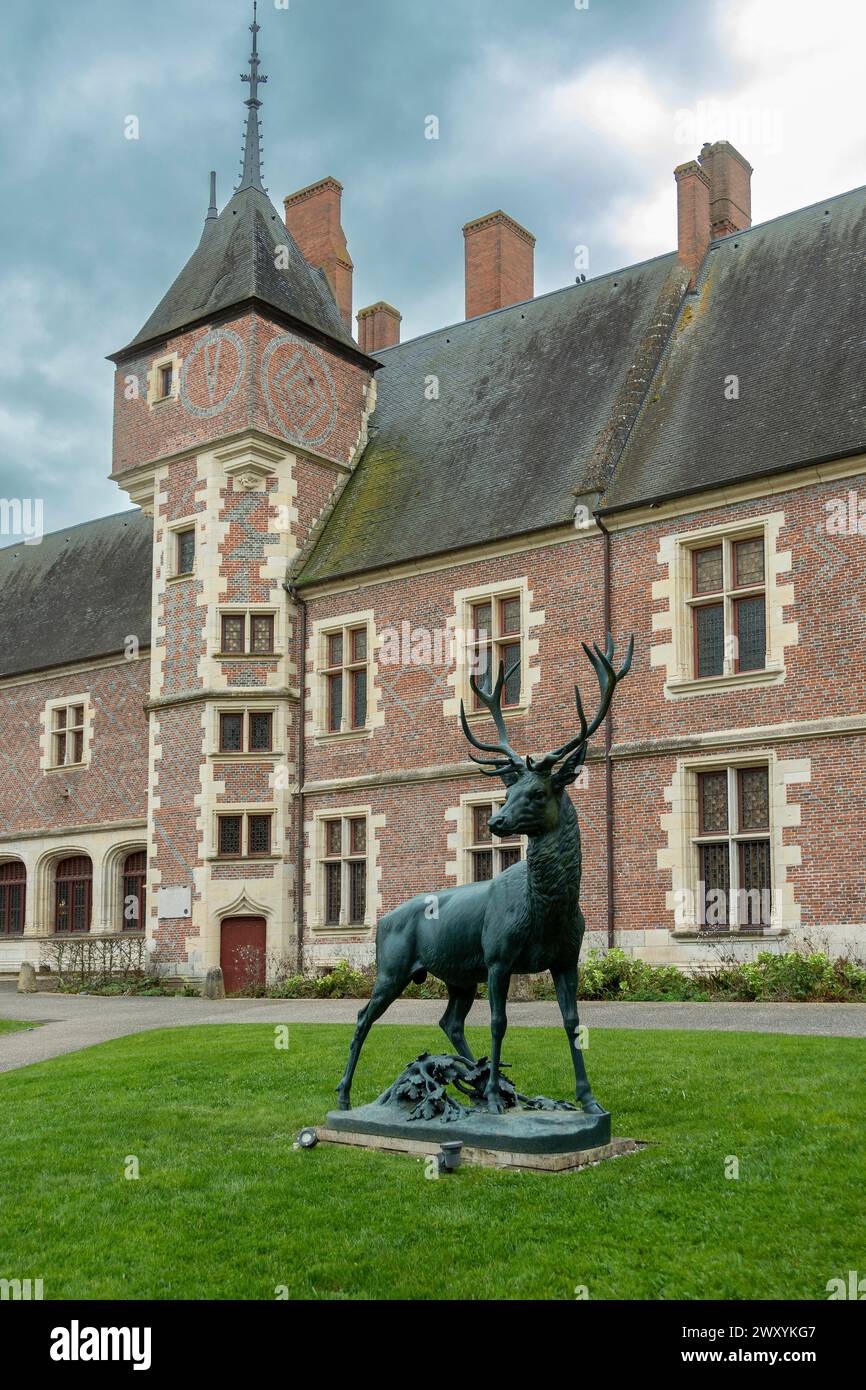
(13, 1025)
(224, 1208)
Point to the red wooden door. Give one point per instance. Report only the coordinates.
(242, 952)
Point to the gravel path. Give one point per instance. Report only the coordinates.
(71, 1022)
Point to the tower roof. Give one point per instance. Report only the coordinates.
(238, 260)
(247, 253)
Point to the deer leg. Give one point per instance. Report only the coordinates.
(383, 995)
(460, 1001)
(498, 981)
(565, 983)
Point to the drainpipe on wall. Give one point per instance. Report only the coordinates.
(608, 742)
(300, 604)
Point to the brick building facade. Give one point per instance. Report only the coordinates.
(231, 717)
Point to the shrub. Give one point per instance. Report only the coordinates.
(343, 982)
(93, 962)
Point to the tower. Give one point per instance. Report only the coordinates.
(240, 405)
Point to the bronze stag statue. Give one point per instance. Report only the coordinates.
(525, 920)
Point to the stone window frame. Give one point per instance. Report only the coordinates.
(47, 733)
(461, 839)
(248, 611)
(459, 624)
(317, 684)
(168, 359)
(174, 529)
(244, 809)
(245, 708)
(682, 823)
(676, 656)
(314, 900)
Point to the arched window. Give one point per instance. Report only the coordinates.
(73, 894)
(134, 881)
(13, 889)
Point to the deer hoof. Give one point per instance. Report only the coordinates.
(496, 1103)
(343, 1101)
(592, 1107)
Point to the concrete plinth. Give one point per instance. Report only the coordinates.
(488, 1158)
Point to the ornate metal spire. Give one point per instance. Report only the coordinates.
(251, 172)
(212, 212)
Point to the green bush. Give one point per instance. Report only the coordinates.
(343, 982)
(615, 975)
(793, 976)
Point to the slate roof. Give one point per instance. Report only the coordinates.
(527, 395)
(783, 307)
(233, 262)
(77, 595)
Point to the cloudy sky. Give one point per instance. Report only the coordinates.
(571, 116)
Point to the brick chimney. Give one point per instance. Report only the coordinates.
(499, 263)
(693, 216)
(378, 327)
(313, 218)
(730, 188)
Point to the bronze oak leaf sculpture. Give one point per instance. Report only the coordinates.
(524, 921)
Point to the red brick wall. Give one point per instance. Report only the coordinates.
(826, 673)
(296, 391)
(417, 734)
(113, 787)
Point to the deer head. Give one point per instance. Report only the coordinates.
(535, 785)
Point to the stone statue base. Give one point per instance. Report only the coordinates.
(418, 1114)
(517, 1131)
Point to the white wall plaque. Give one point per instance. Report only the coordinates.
(174, 902)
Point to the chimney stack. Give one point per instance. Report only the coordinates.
(499, 263)
(730, 188)
(378, 327)
(313, 218)
(693, 216)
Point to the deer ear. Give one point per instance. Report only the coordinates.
(509, 776)
(567, 772)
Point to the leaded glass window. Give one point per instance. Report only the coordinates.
(345, 676)
(497, 639)
(733, 848)
(231, 733)
(489, 855)
(344, 870)
(728, 605)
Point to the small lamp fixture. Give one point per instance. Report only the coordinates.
(449, 1156)
(307, 1139)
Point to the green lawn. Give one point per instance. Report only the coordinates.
(224, 1208)
(12, 1025)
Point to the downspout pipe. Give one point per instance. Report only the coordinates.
(608, 742)
(301, 606)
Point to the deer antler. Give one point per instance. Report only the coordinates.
(602, 664)
(493, 704)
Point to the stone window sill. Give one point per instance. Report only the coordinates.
(100, 934)
(714, 685)
(243, 858)
(236, 756)
(730, 934)
(509, 711)
(340, 928)
(246, 656)
(344, 736)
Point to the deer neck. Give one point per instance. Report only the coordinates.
(553, 861)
